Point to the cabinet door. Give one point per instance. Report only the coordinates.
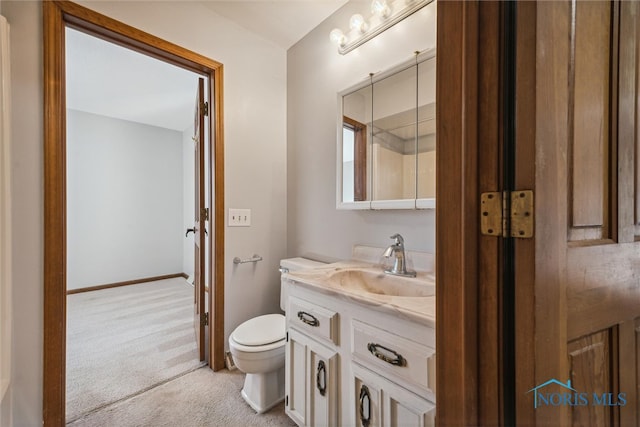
(311, 381)
(379, 402)
(323, 385)
(296, 377)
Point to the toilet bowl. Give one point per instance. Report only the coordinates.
(258, 350)
(257, 347)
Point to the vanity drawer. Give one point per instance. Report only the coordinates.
(313, 319)
(394, 357)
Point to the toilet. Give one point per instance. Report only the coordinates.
(258, 349)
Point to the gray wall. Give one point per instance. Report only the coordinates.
(124, 200)
(255, 163)
(315, 73)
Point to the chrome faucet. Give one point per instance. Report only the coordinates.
(399, 266)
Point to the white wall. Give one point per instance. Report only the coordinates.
(6, 282)
(315, 74)
(188, 200)
(255, 163)
(124, 200)
(25, 390)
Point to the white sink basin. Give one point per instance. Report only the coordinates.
(375, 281)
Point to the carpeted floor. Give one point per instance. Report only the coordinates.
(132, 361)
(123, 340)
(201, 398)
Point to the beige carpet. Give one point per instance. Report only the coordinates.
(132, 361)
(121, 341)
(201, 398)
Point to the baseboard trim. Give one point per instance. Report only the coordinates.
(127, 283)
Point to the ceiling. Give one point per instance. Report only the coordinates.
(113, 81)
(282, 22)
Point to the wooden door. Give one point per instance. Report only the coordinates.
(578, 299)
(199, 315)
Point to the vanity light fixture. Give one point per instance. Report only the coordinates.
(358, 23)
(384, 15)
(380, 8)
(337, 36)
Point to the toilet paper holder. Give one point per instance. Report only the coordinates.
(254, 258)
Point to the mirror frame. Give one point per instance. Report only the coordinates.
(427, 203)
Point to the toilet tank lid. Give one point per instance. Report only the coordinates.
(300, 263)
(260, 330)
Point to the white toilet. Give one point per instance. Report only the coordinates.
(258, 347)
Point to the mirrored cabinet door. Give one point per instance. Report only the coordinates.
(394, 140)
(426, 155)
(387, 139)
(356, 157)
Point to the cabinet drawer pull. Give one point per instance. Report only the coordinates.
(309, 319)
(364, 394)
(321, 378)
(396, 359)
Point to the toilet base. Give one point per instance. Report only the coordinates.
(264, 391)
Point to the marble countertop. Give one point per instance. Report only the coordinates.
(421, 309)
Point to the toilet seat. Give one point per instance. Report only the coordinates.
(261, 333)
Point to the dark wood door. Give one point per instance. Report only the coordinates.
(578, 303)
(199, 220)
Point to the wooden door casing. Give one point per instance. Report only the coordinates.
(469, 372)
(585, 301)
(57, 14)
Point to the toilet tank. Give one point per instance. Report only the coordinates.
(293, 264)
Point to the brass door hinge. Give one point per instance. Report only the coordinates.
(204, 319)
(205, 214)
(205, 109)
(507, 214)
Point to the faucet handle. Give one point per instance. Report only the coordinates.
(399, 239)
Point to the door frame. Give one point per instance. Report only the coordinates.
(470, 373)
(57, 16)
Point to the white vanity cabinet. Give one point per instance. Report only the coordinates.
(354, 364)
(311, 382)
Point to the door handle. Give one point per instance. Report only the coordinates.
(193, 230)
(364, 394)
(321, 378)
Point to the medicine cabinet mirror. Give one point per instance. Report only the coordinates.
(386, 139)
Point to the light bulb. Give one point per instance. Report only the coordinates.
(337, 37)
(357, 23)
(380, 8)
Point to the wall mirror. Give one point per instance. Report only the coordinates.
(386, 138)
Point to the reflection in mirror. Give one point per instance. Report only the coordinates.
(356, 110)
(387, 139)
(394, 136)
(426, 160)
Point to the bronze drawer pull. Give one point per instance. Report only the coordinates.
(364, 394)
(309, 319)
(321, 381)
(396, 360)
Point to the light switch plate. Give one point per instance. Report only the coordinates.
(239, 217)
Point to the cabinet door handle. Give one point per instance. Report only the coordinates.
(396, 359)
(321, 378)
(309, 319)
(364, 394)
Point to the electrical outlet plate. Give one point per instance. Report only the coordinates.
(239, 217)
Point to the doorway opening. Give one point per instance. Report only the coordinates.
(58, 16)
(130, 198)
